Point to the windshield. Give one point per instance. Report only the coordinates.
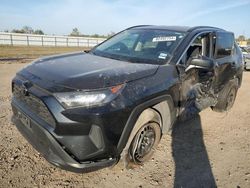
(141, 45)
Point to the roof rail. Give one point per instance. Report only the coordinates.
(204, 27)
(138, 26)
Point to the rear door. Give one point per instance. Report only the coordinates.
(225, 64)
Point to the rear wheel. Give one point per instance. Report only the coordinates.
(226, 97)
(231, 98)
(145, 142)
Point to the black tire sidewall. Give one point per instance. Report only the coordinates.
(222, 104)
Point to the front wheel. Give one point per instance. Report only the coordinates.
(145, 142)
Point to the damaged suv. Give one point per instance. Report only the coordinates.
(86, 111)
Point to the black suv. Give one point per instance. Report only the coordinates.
(86, 111)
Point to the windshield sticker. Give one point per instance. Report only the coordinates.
(162, 56)
(161, 39)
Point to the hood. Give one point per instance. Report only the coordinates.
(82, 71)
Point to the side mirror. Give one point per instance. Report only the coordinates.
(200, 64)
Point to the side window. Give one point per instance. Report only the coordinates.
(201, 46)
(224, 45)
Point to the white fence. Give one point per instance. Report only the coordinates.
(16, 39)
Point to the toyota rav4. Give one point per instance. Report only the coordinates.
(88, 110)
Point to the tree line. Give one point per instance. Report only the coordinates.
(243, 38)
(75, 32)
(27, 30)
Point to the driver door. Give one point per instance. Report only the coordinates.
(197, 81)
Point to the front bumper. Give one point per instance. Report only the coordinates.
(45, 143)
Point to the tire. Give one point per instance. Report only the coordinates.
(147, 117)
(226, 97)
(145, 142)
(245, 67)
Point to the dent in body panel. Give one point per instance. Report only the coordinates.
(197, 93)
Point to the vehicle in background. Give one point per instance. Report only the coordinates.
(246, 56)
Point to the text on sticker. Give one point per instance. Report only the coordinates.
(160, 39)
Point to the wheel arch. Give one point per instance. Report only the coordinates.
(167, 112)
(161, 109)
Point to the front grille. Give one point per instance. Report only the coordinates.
(34, 104)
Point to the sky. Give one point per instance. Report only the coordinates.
(104, 16)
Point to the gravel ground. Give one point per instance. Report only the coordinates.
(208, 151)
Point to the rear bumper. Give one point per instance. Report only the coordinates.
(45, 143)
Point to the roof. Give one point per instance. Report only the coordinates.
(175, 28)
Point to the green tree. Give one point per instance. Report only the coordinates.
(27, 29)
(17, 31)
(241, 38)
(75, 32)
(38, 32)
(111, 34)
(95, 36)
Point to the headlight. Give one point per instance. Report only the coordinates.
(88, 98)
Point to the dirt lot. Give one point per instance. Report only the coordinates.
(211, 150)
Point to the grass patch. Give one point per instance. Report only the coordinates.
(34, 51)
